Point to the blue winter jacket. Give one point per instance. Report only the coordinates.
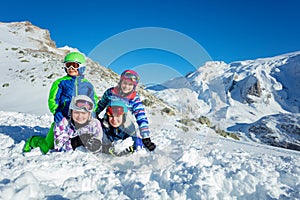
(111, 134)
(133, 103)
(63, 89)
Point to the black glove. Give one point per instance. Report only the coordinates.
(106, 147)
(76, 142)
(125, 152)
(148, 144)
(85, 138)
(91, 143)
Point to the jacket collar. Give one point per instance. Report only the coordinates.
(118, 92)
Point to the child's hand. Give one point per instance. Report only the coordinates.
(148, 144)
(76, 142)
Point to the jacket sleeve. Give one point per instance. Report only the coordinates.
(94, 97)
(96, 129)
(138, 111)
(62, 136)
(103, 102)
(85, 87)
(129, 127)
(91, 135)
(132, 131)
(54, 95)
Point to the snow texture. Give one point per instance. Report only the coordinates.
(192, 164)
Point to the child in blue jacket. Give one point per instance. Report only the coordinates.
(126, 91)
(117, 126)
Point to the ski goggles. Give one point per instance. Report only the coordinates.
(72, 65)
(82, 104)
(115, 111)
(131, 76)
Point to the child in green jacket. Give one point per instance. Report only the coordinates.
(60, 96)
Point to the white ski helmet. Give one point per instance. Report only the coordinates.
(82, 103)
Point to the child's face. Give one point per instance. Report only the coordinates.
(72, 72)
(80, 117)
(72, 68)
(126, 86)
(115, 121)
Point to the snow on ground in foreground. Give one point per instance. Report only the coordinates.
(195, 167)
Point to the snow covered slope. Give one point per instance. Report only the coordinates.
(194, 166)
(30, 63)
(238, 94)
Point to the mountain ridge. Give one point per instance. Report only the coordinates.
(243, 92)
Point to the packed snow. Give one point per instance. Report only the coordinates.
(192, 164)
(184, 166)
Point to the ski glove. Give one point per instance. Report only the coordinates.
(148, 144)
(58, 116)
(106, 147)
(86, 140)
(93, 144)
(76, 142)
(127, 151)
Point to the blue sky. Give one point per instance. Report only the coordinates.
(228, 30)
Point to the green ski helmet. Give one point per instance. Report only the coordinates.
(75, 57)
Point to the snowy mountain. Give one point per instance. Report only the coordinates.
(249, 98)
(244, 97)
(31, 62)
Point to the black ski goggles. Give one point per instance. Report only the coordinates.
(73, 65)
